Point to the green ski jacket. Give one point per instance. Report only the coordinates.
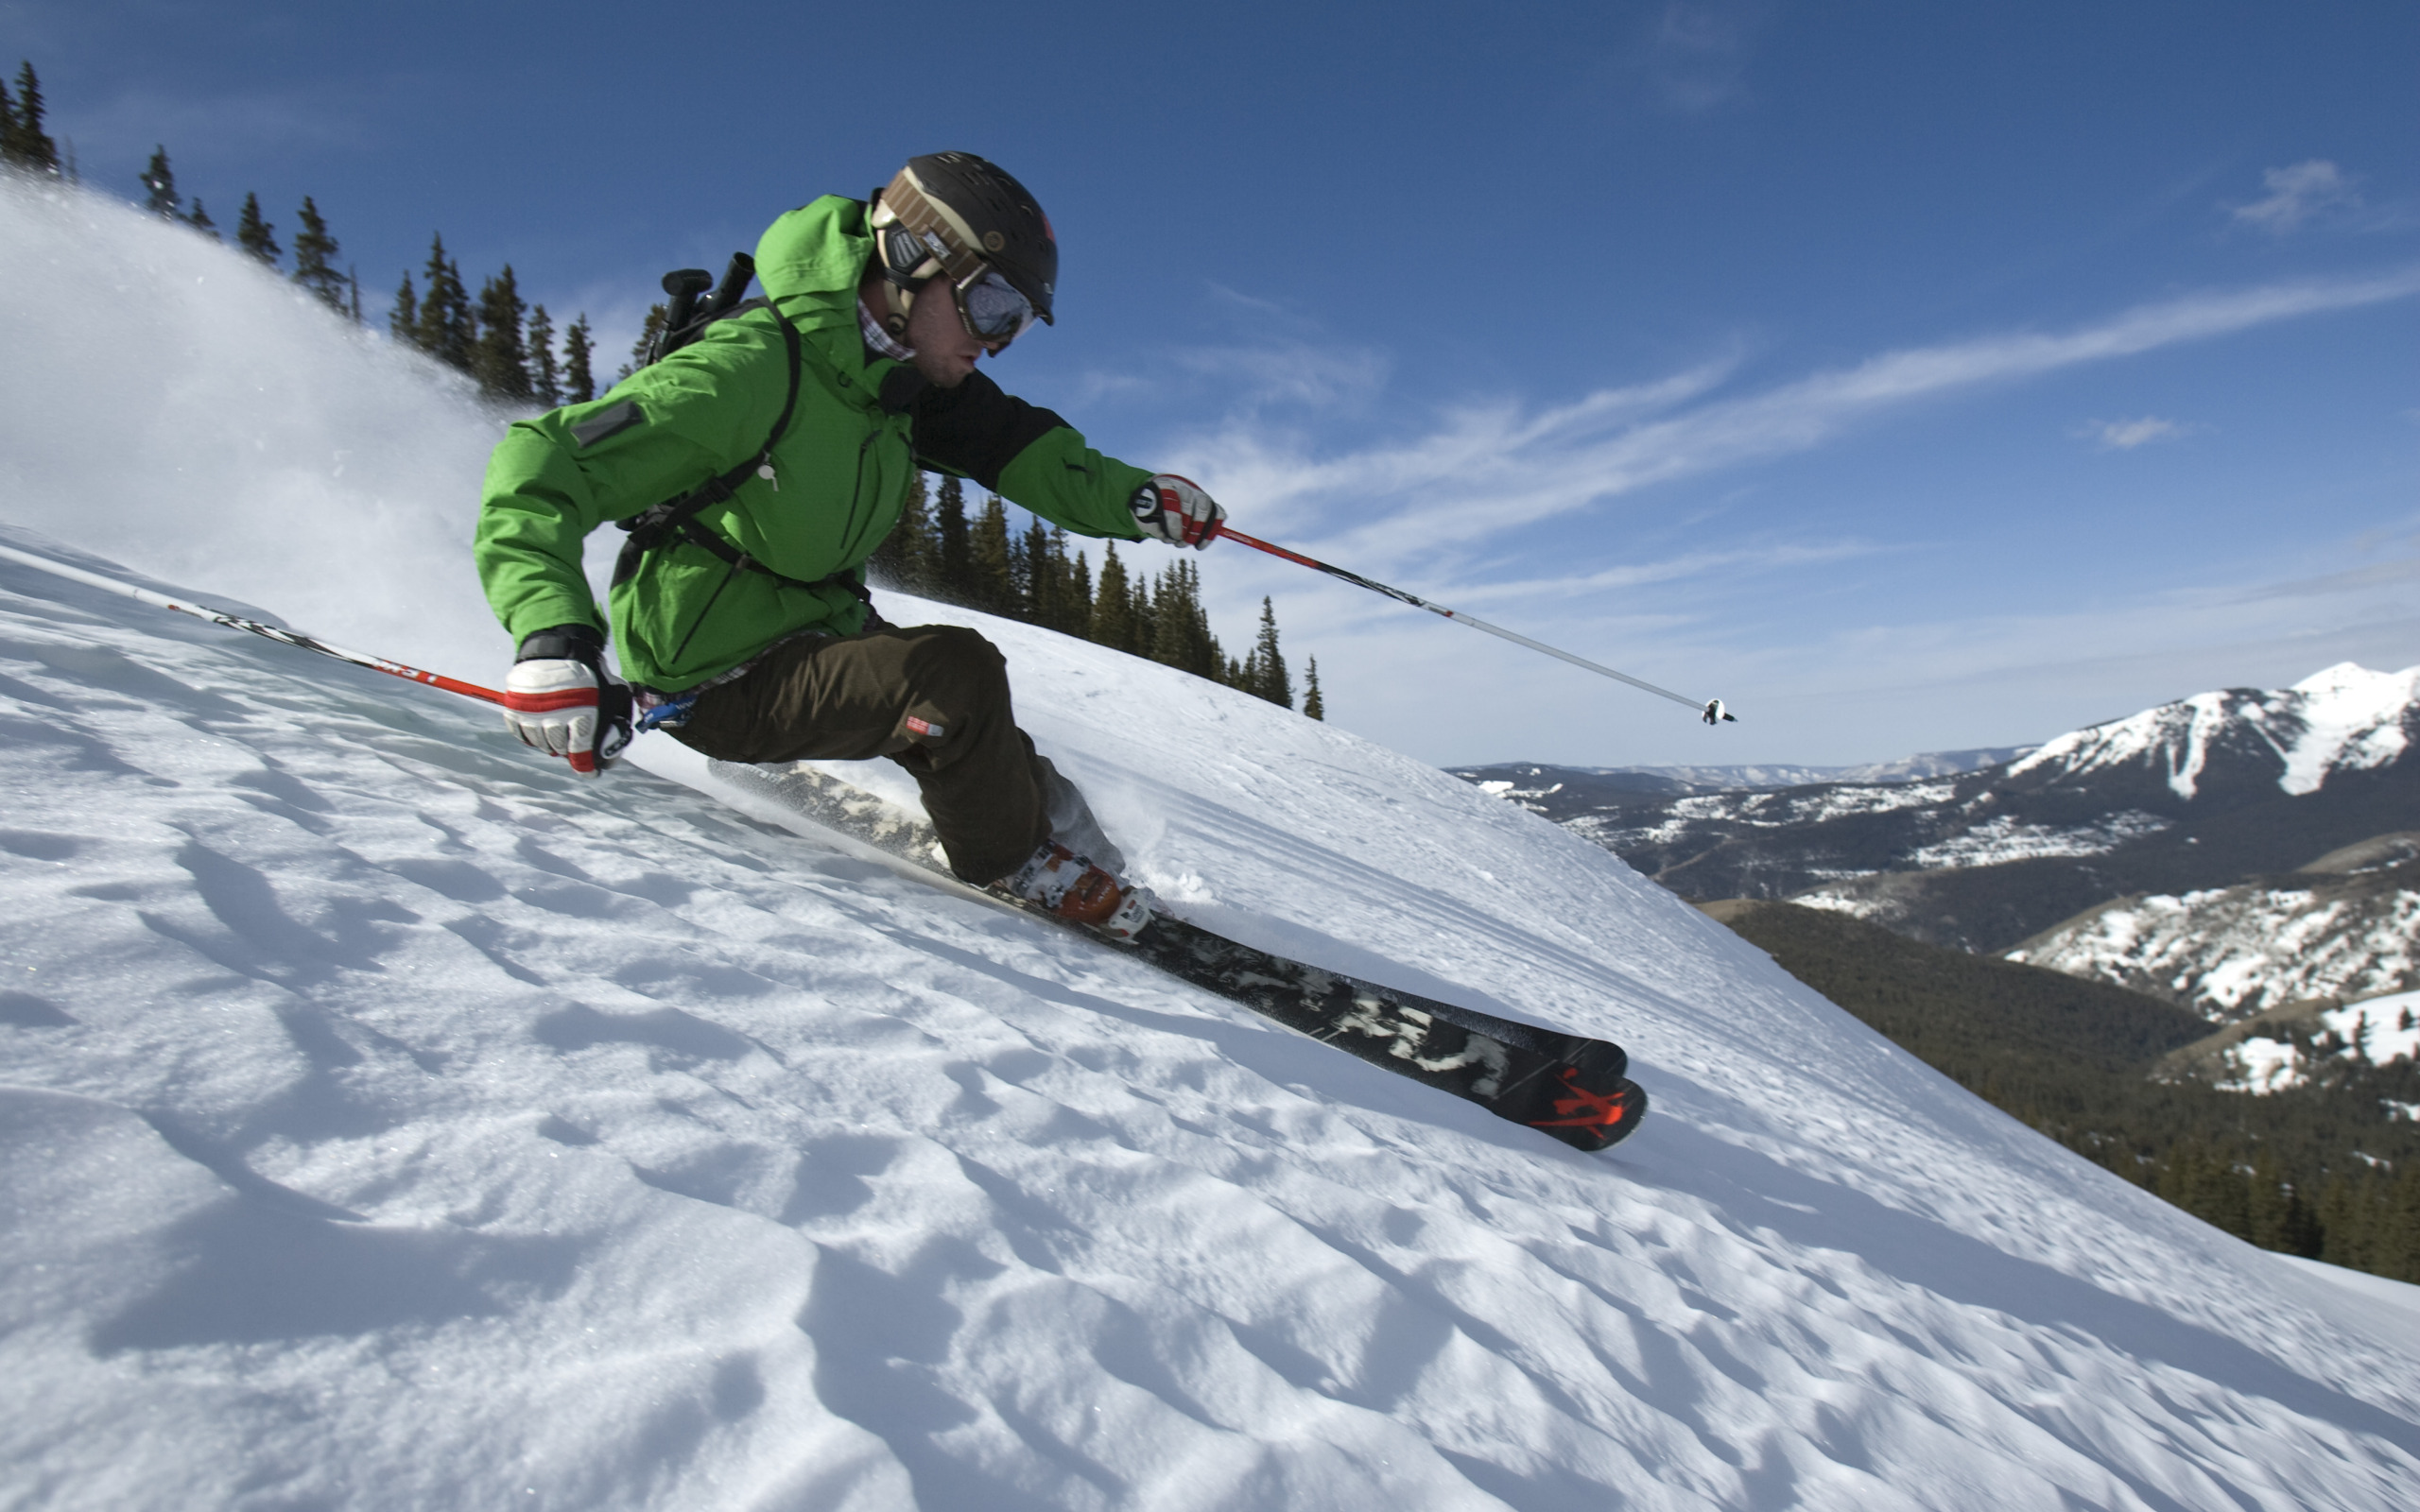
(840, 472)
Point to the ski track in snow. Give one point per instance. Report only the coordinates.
(395, 1119)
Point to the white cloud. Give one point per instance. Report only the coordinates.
(2125, 434)
(1486, 468)
(2296, 194)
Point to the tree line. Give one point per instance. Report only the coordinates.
(2325, 1169)
(938, 552)
(510, 349)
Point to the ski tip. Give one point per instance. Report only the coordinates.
(1590, 1120)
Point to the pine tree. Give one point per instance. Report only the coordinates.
(954, 578)
(546, 379)
(446, 330)
(903, 560)
(160, 186)
(1180, 635)
(1111, 621)
(22, 142)
(201, 221)
(651, 330)
(1142, 617)
(1269, 676)
(353, 293)
(579, 382)
(499, 358)
(1314, 707)
(313, 251)
(403, 322)
(255, 235)
(1077, 609)
(1030, 573)
(988, 548)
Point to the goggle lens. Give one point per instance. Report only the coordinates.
(994, 311)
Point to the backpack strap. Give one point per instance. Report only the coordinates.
(655, 528)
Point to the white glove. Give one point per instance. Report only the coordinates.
(560, 705)
(552, 705)
(1175, 509)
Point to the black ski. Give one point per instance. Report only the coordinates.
(1565, 1086)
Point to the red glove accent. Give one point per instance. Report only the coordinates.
(552, 706)
(1177, 510)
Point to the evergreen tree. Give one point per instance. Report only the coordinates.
(904, 559)
(1076, 607)
(201, 221)
(313, 251)
(1037, 593)
(160, 186)
(446, 330)
(546, 379)
(255, 235)
(353, 293)
(1180, 635)
(579, 383)
(499, 358)
(1314, 707)
(1269, 679)
(994, 590)
(954, 580)
(1142, 617)
(403, 322)
(650, 331)
(22, 142)
(1111, 621)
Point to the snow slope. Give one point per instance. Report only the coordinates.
(396, 1121)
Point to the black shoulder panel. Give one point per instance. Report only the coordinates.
(975, 429)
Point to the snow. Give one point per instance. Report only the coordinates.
(2352, 718)
(2005, 837)
(2342, 718)
(398, 1120)
(2377, 1030)
(2231, 952)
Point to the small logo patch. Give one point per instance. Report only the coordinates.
(925, 727)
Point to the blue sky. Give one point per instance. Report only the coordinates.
(1913, 376)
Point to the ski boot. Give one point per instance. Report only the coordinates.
(1066, 885)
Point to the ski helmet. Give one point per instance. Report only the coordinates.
(955, 215)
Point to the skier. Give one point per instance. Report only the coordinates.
(744, 626)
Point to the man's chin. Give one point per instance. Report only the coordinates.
(946, 374)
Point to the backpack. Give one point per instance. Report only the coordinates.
(684, 321)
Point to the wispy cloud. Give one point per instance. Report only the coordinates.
(1489, 467)
(1697, 57)
(2125, 434)
(2296, 194)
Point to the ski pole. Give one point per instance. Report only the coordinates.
(1711, 711)
(375, 663)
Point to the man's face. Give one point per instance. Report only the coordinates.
(946, 350)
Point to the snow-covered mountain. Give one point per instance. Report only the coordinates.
(2346, 926)
(2192, 796)
(1562, 793)
(395, 1119)
(2345, 718)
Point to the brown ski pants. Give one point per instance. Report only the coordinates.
(932, 697)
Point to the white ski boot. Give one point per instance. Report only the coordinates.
(1071, 887)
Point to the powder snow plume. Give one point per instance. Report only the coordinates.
(395, 1121)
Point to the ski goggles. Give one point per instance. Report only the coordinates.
(992, 309)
